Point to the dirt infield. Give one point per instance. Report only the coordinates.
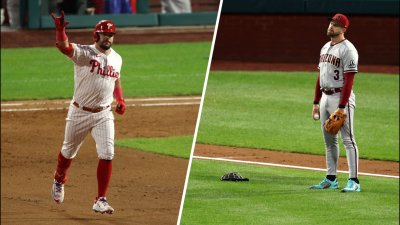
(145, 188)
(294, 159)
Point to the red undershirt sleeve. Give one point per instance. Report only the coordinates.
(118, 94)
(318, 92)
(346, 90)
(67, 51)
(61, 36)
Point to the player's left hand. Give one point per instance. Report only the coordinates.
(335, 121)
(120, 107)
(340, 110)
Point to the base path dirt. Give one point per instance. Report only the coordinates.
(295, 159)
(145, 188)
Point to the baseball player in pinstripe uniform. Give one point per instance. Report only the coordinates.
(333, 92)
(96, 79)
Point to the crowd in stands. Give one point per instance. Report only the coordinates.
(11, 10)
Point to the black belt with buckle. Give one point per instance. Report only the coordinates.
(331, 91)
(92, 110)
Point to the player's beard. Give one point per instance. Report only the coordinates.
(105, 45)
(332, 34)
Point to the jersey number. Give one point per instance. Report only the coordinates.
(336, 77)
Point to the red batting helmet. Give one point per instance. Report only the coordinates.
(103, 26)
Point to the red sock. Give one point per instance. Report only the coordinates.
(103, 176)
(62, 166)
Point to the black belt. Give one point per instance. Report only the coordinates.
(331, 91)
(92, 110)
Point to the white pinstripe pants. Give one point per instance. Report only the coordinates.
(79, 123)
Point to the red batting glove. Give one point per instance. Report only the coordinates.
(59, 21)
(120, 107)
(60, 27)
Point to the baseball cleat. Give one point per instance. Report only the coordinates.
(352, 186)
(101, 205)
(57, 192)
(326, 184)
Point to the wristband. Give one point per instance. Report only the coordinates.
(61, 36)
(67, 51)
(118, 94)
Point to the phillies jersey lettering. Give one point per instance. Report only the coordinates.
(94, 75)
(109, 71)
(334, 61)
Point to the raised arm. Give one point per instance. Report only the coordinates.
(61, 37)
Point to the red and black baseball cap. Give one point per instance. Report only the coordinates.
(341, 19)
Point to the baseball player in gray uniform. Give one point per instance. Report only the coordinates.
(338, 64)
(96, 79)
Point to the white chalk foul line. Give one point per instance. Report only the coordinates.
(33, 109)
(11, 104)
(288, 166)
(33, 103)
(164, 104)
(164, 99)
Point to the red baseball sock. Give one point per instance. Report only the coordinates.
(104, 169)
(62, 166)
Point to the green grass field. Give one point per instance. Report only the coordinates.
(281, 196)
(178, 146)
(147, 70)
(272, 110)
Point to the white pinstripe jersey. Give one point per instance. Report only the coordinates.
(94, 75)
(334, 61)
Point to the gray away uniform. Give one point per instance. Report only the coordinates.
(335, 60)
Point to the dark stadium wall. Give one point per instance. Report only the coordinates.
(298, 38)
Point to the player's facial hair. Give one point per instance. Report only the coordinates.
(101, 43)
(333, 34)
(104, 47)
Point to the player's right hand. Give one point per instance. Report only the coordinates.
(120, 107)
(315, 112)
(59, 21)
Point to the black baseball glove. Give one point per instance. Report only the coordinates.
(233, 176)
